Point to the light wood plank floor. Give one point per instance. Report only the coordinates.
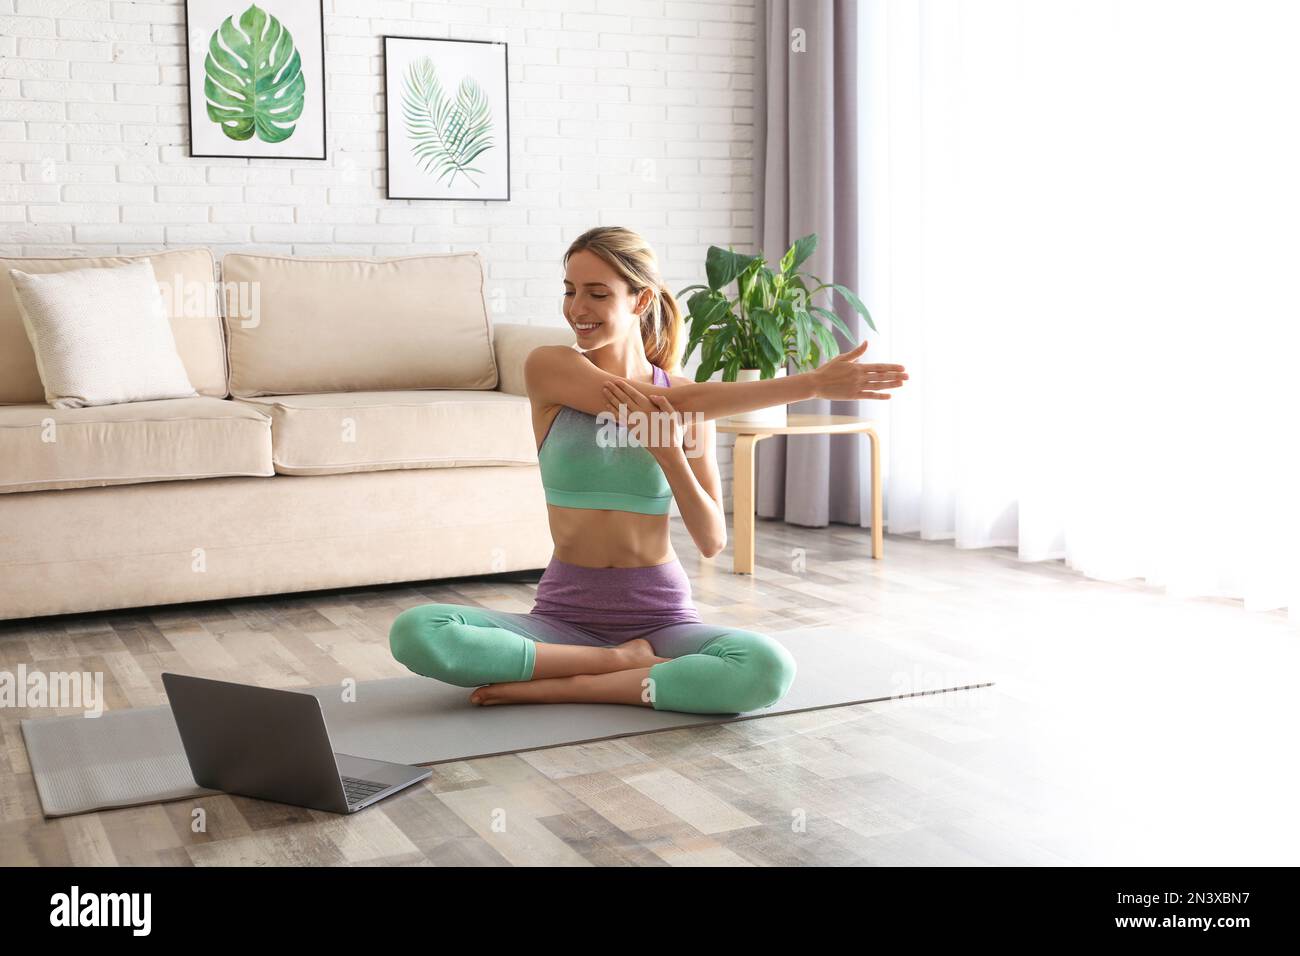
(1126, 726)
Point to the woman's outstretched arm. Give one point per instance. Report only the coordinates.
(561, 376)
(710, 400)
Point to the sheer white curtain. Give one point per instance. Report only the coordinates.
(1083, 241)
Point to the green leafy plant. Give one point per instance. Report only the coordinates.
(771, 318)
(253, 78)
(446, 136)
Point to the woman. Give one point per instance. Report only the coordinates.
(613, 620)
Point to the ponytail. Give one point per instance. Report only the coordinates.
(661, 329)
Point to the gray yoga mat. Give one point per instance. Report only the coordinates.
(130, 757)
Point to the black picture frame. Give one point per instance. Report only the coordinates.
(388, 125)
(190, 105)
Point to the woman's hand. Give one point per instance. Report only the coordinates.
(844, 378)
(663, 432)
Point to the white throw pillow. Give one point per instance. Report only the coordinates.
(101, 335)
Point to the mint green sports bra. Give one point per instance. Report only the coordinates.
(577, 472)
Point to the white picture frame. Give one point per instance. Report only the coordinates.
(223, 58)
(448, 118)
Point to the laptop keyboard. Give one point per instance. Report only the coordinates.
(357, 790)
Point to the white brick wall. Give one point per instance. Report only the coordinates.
(631, 112)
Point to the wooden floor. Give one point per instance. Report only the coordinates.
(1126, 726)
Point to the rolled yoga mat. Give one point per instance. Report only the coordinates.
(126, 758)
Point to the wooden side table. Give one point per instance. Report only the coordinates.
(748, 435)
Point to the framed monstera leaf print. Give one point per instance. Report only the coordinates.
(448, 118)
(256, 78)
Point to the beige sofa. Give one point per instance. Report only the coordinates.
(358, 421)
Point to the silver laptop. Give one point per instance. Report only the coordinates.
(273, 744)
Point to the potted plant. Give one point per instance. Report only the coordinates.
(770, 319)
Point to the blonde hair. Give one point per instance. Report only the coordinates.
(631, 257)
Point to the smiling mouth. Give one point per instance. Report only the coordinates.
(591, 328)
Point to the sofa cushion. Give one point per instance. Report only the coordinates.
(325, 434)
(187, 279)
(45, 448)
(101, 335)
(303, 325)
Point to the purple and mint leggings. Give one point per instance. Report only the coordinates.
(714, 669)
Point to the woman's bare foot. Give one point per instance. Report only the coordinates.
(619, 687)
(638, 652)
(569, 660)
(548, 690)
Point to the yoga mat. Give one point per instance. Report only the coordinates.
(131, 757)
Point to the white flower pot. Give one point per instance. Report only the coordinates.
(773, 415)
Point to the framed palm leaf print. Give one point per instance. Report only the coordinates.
(256, 78)
(448, 118)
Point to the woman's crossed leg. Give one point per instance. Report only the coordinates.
(527, 658)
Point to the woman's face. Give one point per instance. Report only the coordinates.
(596, 296)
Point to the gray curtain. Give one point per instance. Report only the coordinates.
(806, 180)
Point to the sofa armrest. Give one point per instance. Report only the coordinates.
(512, 344)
